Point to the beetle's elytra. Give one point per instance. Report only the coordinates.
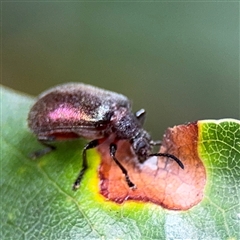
(75, 110)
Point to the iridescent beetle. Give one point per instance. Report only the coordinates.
(75, 110)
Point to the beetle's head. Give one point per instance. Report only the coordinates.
(141, 145)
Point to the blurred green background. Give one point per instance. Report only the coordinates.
(178, 60)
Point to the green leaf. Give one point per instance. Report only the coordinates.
(37, 201)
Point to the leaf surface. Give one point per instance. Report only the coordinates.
(37, 201)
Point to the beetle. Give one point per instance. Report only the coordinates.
(75, 110)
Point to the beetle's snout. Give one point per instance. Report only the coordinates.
(142, 148)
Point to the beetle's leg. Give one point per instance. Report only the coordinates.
(90, 145)
(39, 153)
(155, 143)
(113, 149)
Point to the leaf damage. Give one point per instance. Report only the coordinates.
(159, 180)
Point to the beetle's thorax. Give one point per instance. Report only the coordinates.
(125, 125)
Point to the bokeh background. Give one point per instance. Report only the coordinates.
(178, 60)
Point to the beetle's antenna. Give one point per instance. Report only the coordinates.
(168, 156)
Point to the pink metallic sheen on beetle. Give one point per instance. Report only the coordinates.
(67, 112)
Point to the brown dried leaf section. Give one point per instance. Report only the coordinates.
(159, 180)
